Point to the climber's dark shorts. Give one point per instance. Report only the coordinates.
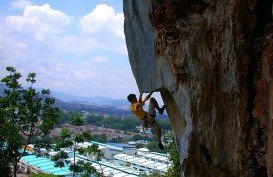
(153, 125)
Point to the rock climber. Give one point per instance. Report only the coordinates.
(148, 117)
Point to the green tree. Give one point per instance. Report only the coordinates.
(165, 124)
(59, 159)
(42, 141)
(68, 117)
(77, 119)
(91, 120)
(25, 113)
(85, 168)
(153, 146)
(5, 160)
(94, 154)
(65, 118)
(175, 170)
(67, 140)
(93, 151)
(115, 123)
(100, 138)
(65, 133)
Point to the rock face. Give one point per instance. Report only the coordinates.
(212, 62)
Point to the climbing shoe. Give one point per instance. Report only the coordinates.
(161, 110)
(160, 145)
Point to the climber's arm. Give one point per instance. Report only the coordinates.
(147, 97)
(140, 97)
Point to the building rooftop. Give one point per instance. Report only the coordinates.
(143, 150)
(111, 167)
(45, 165)
(123, 165)
(142, 162)
(156, 157)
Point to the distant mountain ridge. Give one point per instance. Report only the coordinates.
(99, 100)
(96, 104)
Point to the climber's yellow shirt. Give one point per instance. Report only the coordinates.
(137, 108)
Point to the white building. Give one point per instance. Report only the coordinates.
(154, 156)
(141, 164)
(109, 150)
(121, 160)
(143, 151)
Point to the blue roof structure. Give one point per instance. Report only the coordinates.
(45, 165)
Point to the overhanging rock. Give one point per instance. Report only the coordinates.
(211, 62)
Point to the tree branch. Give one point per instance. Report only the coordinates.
(28, 140)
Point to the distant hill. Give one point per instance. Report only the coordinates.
(98, 100)
(101, 110)
(116, 107)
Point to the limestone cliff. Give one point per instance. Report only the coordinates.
(212, 61)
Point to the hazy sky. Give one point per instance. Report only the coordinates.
(74, 46)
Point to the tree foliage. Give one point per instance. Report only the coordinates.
(175, 170)
(68, 117)
(114, 123)
(128, 124)
(25, 113)
(65, 133)
(70, 139)
(59, 159)
(77, 120)
(93, 151)
(100, 138)
(153, 146)
(42, 142)
(85, 168)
